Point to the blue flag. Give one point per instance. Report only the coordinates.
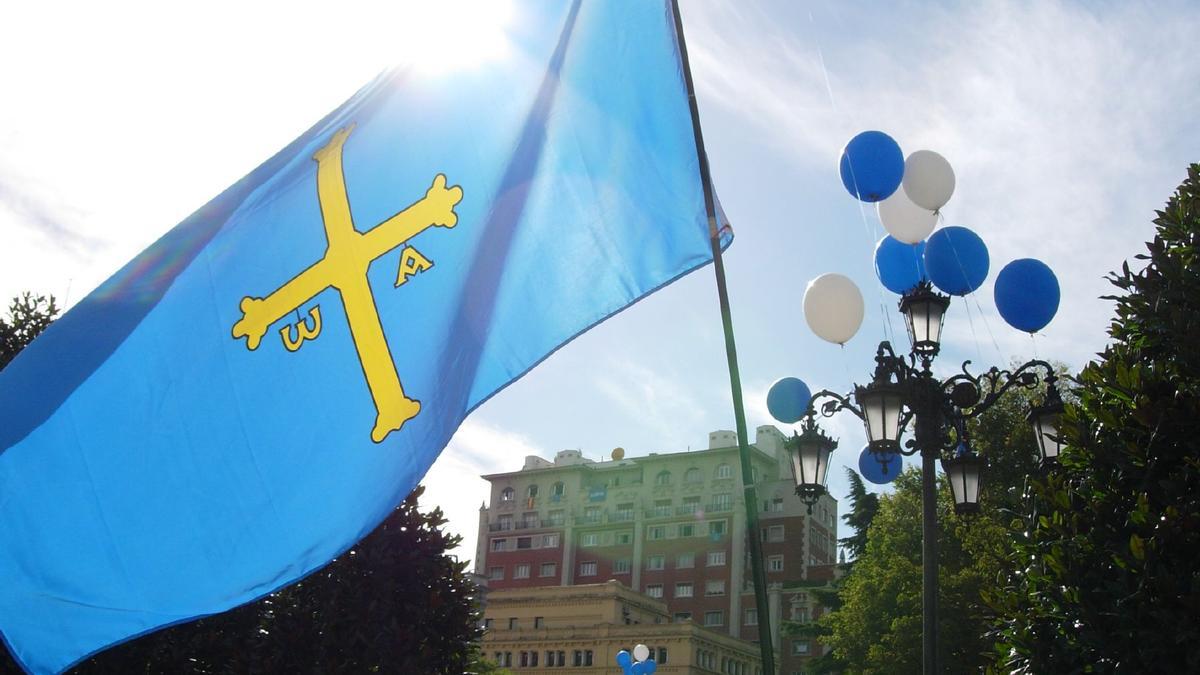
(256, 391)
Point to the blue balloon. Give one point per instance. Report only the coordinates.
(624, 659)
(872, 166)
(787, 401)
(877, 472)
(956, 260)
(639, 668)
(898, 265)
(651, 667)
(1027, 294)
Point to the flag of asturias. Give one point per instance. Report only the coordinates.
(256, 391)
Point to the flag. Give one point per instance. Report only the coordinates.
(256, 391)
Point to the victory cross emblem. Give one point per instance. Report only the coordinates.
(348, 254)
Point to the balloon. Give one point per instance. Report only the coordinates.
(928, 179)
(872, 166)
(651, 667)
(833, 307)
(787, 400)
(873, 470)
(899, 266)
(1027, 294)
(640, 652)
(624, 659)
(956, 260)
(638, 668)
(905, 220)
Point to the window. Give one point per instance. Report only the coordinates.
(487, 624)
(775, 563)
(722, 502)
(533, 658)
(539, 622)
(776, 505)
(496, 573)
(714, 587)
(587, 569)
(751, 617)
(663, 478)
(716, 529)
(531, 491)
(683, 589)
(507, 659)
(662, 507)
(590, 539)
(724, 471)
(587, 657)
(716, 618)
(656, 532)
(499, 544)
(683, 616)
(716, 558)
(799, 647)
(624, 512)
(654, 590)
(656, 562)
(691, 505)
(548, 570)
(685, 560)
(521, 571)
(621, 566)
(800, 614)
(524, 543)
(507, 494)
(624, 538)
(524, 659)
(513, 624)
(773, 533)
(578, 660)
(692, 475)
(557, 491)
(591, 514)
(662, 656)
(505, 522)
(688, 530)
(550, 540)
(529, 519)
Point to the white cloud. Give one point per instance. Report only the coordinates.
(661, 402)
(1063, 124)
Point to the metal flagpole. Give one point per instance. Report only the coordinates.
(735, 380)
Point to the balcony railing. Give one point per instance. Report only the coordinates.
(622, 517)
(688, 509)
(719, 507)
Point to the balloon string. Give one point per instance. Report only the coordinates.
(988, 326)
(846, 367)
(971, 323)
(1033, 339)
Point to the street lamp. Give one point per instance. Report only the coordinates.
(1045, 420)
(903, 390)
(810, 460)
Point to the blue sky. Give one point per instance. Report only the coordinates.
(1067, 124)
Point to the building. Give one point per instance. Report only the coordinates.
(671, 526)
(583, 627)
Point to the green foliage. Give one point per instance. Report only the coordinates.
(28, 316)
(395, 603)
(863, 507)
(1108, 580)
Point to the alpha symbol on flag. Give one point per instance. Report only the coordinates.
(344, 268)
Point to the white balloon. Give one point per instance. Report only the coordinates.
(904, 220)
(640, 652)
(833, 307)
(928, 179)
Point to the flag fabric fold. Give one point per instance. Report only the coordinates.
(252, 394)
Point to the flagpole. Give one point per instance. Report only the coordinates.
(735, 379)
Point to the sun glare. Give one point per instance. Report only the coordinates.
(436, 37)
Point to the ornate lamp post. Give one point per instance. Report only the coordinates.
(903, 391)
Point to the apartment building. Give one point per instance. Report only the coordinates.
(671, 526)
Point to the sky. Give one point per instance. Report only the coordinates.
(1067, 124)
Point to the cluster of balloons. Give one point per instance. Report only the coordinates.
(909, 194)
(643, 666)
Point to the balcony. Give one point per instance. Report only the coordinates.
(659, 512)
(719, 507)
(688, 509)
(621, 517)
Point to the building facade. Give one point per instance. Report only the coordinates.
(671, 526)
(582, 627)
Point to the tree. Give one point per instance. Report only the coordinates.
(28, 316)
(1107, 579)
(394, 603)
(863, 507)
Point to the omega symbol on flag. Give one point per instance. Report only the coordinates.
(344, 268)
